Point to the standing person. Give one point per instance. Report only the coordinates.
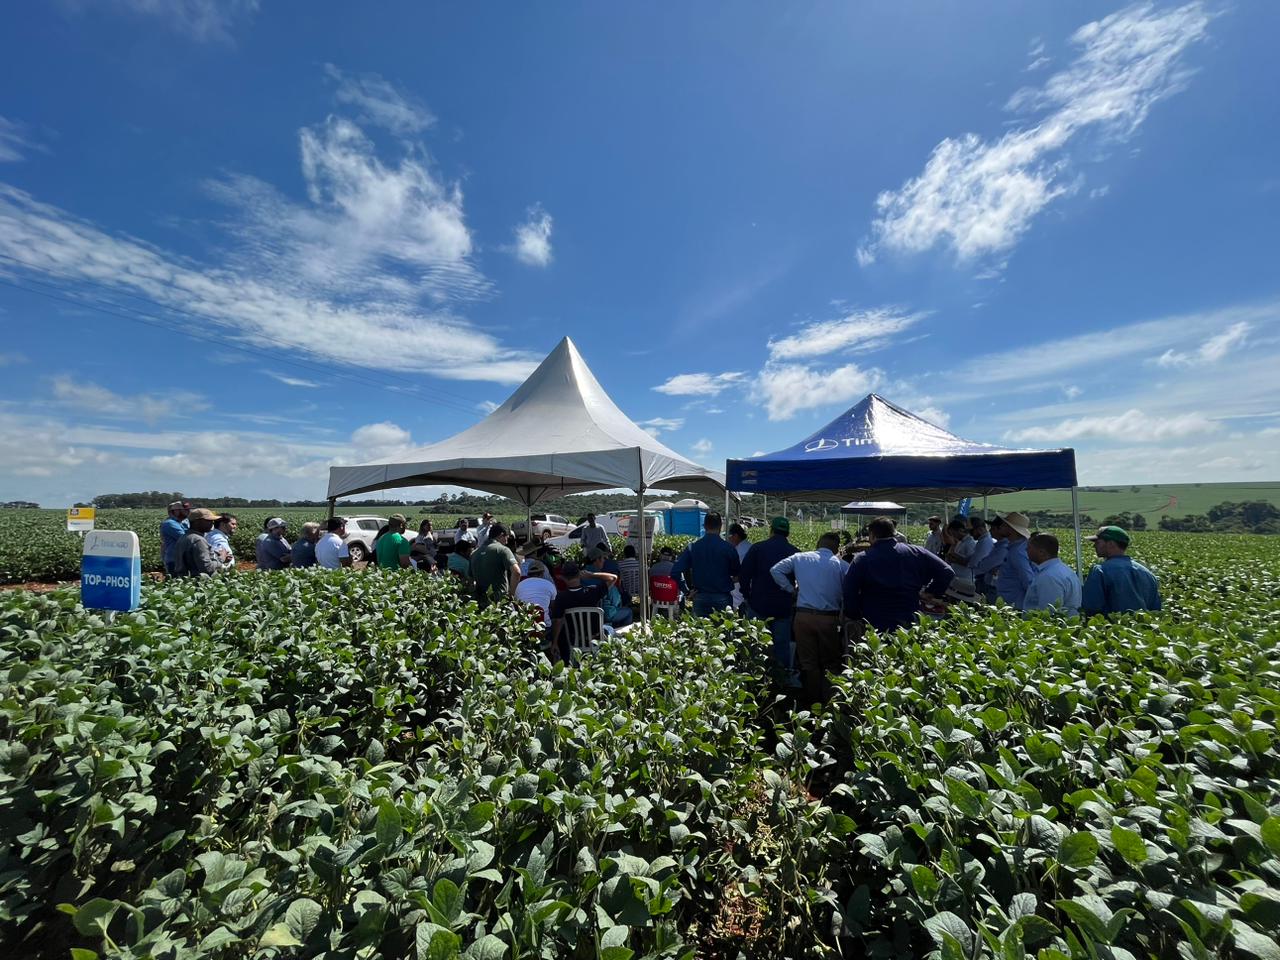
(737, 537)
(331, 551)
(423, 547)
(191, 554)
(1015, 573)
(494, 568)
(1056, 586)
(273, 550)
(960, 546)
(933, 542)
(1119, 583)
(711, 566)
(220, 539)
(393, 547)
(303, 553)
(763, 598)
(629, 571)
(592, 535)
(884, 582)
(983, 542)
(172, 529)
(819, 579)
(483, 531)
(986, 568)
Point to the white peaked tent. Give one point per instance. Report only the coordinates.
(559, 433)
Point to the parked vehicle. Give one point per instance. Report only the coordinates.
(542, 522)
(361, 532)
(574, 536)
(625, 519)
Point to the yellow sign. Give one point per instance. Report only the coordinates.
(79, 519)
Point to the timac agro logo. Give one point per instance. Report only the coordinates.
(826, 443)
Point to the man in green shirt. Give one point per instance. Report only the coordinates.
(393, 548)
(494, 568)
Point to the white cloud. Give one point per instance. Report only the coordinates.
(699, 384)
(290, 381)
(1133, 426)
(533, 238)
(655, 425)
(701, 447)
(979, 196)
(12, 359)
(199, 19)
(487, 406)
(381, 436)
(376, 101)
(861, 330)
(149, 407)
(1071, 391)
(15, 141)
(785, 389)
(1211, 350)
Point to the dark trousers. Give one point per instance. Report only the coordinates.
(819, 650)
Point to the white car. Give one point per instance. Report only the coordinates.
(574, 537)
(542, 523)
(361, 532)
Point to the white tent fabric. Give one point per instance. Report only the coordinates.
(559, 433)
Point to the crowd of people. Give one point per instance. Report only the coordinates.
(813, 601)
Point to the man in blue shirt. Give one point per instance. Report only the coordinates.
(984, 569)
(1056, 586)
(763, 598)
(884, 582)
(1015, 573)
(819, 575)
(172, 529)
(710, 563)
(1119, 583)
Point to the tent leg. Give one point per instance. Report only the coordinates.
(333, 506)
(766, 508)
(644, 559)
(726, 505)
(984, 508)
(1075, 520)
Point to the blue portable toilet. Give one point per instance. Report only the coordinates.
(686, 517)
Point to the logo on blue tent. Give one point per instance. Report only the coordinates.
(826, 443)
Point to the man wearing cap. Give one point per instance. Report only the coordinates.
(494, 568)
(1056, 586)
(538, 589)
(220, 539)
(763, 598)
(331, 551)
(1119, 583)
(933, 542)
(884, 583)
(191, 554)
(706, 569)
(1015, 573)
(394, 547)
(273, 550)
(819, 578)
(172, 529)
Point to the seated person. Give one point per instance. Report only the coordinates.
(577, 593)
(617, 608)
(537, 590)
(459, 562)
(666, 561)
(629, 571)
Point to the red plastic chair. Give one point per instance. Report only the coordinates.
(665, 593)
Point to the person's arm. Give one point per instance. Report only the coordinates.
(1093, 595)
(1022, 569)
(344, 554)
(513, 577)
(735, 565)
(678, 570)
(747, 573)
(609, 578)
(995, 556)
(403, 549)
(853, 591)
(781, 570)
(202, 557)
(937, 574)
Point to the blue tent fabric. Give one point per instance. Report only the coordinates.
(876, 450)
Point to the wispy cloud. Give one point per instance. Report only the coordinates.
(979, 196)
(487, 406)
(15, 141)
(701, 447)
(290, 381)
(656, 425)
(785, 389)
(377, 102)
(148, 407)
(200, 19)
(533, 238)
(12, 359)
(700, 384)
(1211, 351)
(1132, 426)
(859, 331)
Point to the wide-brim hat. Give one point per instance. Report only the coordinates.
(1018, 521)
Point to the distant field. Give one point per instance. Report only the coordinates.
(1151, 500)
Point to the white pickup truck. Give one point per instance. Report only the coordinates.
(542, 522)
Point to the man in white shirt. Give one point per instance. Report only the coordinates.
(933, 542)
(482, 531)
(220, 539)
(331, 550)
(536, 589)
(1055, 585)
(960, 548)
(738, 539)
(592, 535)
(819, 591)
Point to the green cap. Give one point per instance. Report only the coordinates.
(1115, 534)
(780, 525)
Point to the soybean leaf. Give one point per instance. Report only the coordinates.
(1078, 850)
(946, 924)
(389, 827)
(303, 916)
(1130, 845)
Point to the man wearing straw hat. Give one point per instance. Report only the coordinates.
(1015, 573)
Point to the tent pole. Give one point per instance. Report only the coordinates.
(984, 508)
(333, 505)
(644, 558)
(1075, 519)
(726, 504)
(766, 508)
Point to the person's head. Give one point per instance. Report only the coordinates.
(498, 532)
(227, 523)
(395, 523)
(572, 576)
(536, 569)
(736, 533)
(667, 553)
(1042, 547)
(591, 519)
(629, 552)
(957, 529)
(935, 523)
(977, 527)
(881, 528)
(463, 549)
(780, 527)
(310, 531)
(1016, 527)
(998, 529)
(276, 527)
(487, 517)
(336, 525)
(1110, 542)
(180, 509)
(462, 523)
(713, 523)
(425, 526)
(829, 541)
(202, 520)
(595, 558)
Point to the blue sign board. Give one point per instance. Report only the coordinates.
(111, 570)
(962, 509)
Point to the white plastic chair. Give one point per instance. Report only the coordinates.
(585, 627)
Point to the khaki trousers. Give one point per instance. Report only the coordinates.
(819, 650)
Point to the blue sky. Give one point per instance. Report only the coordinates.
(239, 244)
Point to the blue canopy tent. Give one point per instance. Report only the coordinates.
(877, 451)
